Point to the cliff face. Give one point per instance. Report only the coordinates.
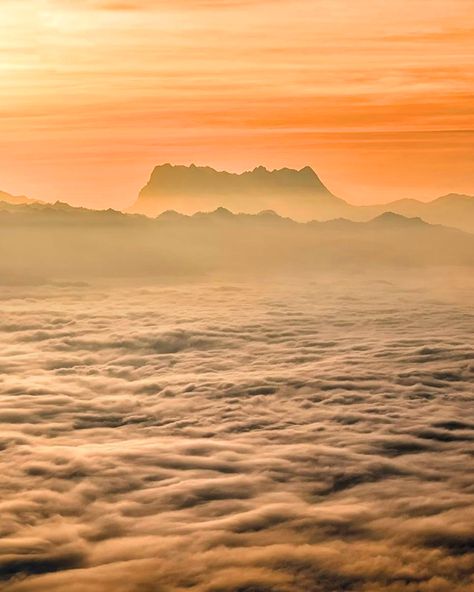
(201, 180)
(298, 194)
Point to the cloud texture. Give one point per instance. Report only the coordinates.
(233, 437)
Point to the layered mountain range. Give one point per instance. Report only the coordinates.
(191, 189)
(16, 199)
(299, 194)
(57, 241)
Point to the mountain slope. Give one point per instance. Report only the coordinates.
(450, 210)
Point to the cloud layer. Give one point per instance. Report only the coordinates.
(234, 437)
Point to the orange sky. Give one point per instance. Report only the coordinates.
(376, 95)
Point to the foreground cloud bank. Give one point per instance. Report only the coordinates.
(227, 437)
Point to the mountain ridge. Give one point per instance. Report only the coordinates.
(191, 188)
(54, 211)
(304, 177)
(296, 193)
(58, 241)
(16, 199)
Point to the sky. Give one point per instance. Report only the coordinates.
(376, 96)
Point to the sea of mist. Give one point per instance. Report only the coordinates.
(266, 434)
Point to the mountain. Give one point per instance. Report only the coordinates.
(296, 193)
(390, 220)
(15, 199)
(450, 210)
(37, 214)
(58, 241)
(299, 194)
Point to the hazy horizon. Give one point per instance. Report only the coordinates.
(84, 202)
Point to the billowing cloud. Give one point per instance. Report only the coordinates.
(223, 437)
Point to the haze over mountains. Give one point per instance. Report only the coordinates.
(191, 189)
(16, 199)
(300, 195)
(44, 241)
(297, 194)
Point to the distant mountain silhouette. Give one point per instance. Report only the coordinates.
(299, 193)
(15, 199)
(450, 210)
(58, 241)
(393, 220)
